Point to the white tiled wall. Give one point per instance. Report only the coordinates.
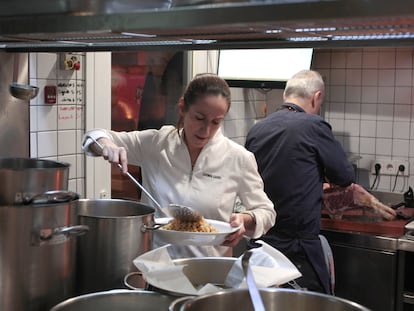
(369, 104)
(56, 129)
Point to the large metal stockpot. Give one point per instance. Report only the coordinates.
(37, 252)
(23, 178)
(116, 237)
(199, 271)
(119, 300)
(273, 299)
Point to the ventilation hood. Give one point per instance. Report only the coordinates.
(93, 25)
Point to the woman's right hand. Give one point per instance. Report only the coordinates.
(114, 154)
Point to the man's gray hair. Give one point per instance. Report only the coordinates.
(304, 84)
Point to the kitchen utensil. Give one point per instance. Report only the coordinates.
(27, 177)
(181, 212)
(38, 252)
(120, 299)
(193, 238)
(408, 199)
(21, 91)
(251, 283)
(273, 299)
(115, 238)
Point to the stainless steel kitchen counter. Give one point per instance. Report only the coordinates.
(360, 258)
(364, 240)
(405, 244)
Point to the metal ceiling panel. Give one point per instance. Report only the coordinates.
(53, 25)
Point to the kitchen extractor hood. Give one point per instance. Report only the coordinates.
(109, 25)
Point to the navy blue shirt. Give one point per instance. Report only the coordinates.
(296, 152)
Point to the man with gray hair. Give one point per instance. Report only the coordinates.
(296, 151)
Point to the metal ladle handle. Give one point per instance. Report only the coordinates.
(251, 283)
(15, 67)
(130, 176)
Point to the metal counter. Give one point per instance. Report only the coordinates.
(373, 270)
(366, 268)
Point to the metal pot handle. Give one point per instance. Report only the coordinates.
(54, 196)
(178, 303)
(151, 228)
(72, 230)
(128, 284)
(60, 234)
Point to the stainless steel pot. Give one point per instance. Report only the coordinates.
(203, 270)
(273, 299)
(120, 300)
(37, 252)
(116, 237)
(199, 271)
(23, 178)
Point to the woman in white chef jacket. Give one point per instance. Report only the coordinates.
(195, 165)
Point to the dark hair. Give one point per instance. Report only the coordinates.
(202, 85)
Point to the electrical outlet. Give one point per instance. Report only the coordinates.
(70, 61)
(391, 167)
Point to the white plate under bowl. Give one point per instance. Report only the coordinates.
(195, 238)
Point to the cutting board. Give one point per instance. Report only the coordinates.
(356, 221)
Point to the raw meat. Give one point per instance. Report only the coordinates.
(337, 200)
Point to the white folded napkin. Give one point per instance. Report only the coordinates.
(270, 267)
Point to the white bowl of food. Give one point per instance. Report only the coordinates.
(203, 232)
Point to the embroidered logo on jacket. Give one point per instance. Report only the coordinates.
(211, 176)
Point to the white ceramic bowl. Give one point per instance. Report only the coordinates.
(195, 238)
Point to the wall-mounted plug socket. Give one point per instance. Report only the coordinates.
(390, 167)
(70, 61)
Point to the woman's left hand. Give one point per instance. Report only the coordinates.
(234, 238)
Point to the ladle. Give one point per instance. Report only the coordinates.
(21, 91)
(181, 212)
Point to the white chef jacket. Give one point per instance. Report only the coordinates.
(224, 170)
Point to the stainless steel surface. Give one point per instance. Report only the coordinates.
(134, 280)
(115, 238)
(201, 271)
(37, 265)
(405, 288)
(21, 91)
(47, 25)
(14, 113)
(178, 303)
(27, 177)
(361, 257)
(405, 244)
(125, 300)
(273, 298)
(251, 283)
(409, 298)
(364, 240)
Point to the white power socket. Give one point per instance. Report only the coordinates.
(390, 167)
